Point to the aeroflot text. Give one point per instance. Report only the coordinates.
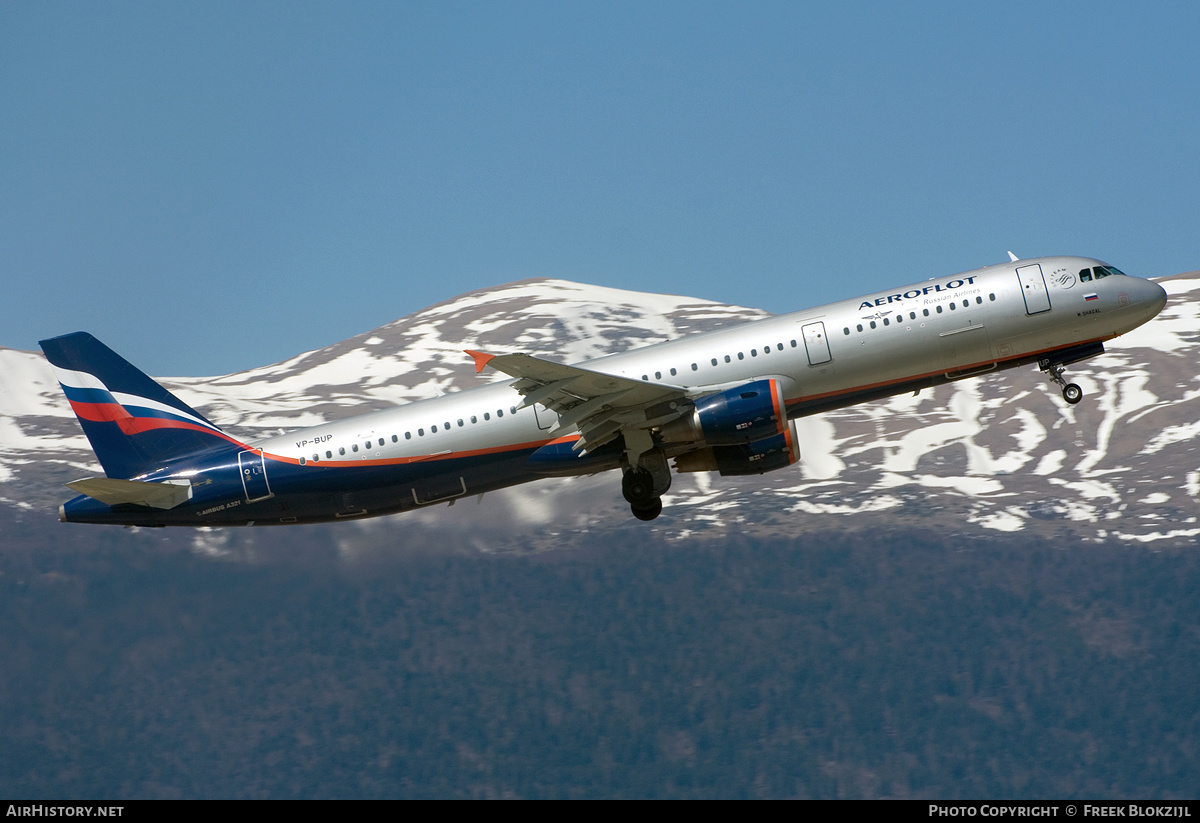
(908, 295)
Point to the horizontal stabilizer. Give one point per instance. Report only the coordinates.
(112, 492)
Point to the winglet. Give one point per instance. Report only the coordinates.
(1012, 257)
(481, 359)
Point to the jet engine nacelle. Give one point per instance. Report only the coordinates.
(759, 457)
(745, 414)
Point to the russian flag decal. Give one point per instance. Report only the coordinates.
(1092, 296)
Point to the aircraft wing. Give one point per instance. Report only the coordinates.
(599, 405)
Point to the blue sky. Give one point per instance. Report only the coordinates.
(213, 186)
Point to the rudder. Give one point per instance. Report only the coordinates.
(133, 423)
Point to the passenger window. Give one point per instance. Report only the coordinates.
(925, 312)
(887, 321)
(301, 460)
(381, 440)
(754, 352)
(408, 435)
(991, 297)
(487, 415)
(695, 367)
(846, 330)
(433, 428)
(741, 356)
(354, 447)
(939, 309)
(367, 445)
(329, 455)
(794, 342)
(645, 377)
(499, 412)
(714, 361)
(766, 349)
(899, 319)
(512, 409)
(912, 315)
(979, 301)
(966, 304)
(420, 432)
(953, 305)
(658, 375)
(395, 439)
(673, 372)
(316, 458)
(727, 358)
(860, 326)
(780, 345)
(873, 324)
(474, 419)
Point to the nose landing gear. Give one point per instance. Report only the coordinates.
(1070, 391)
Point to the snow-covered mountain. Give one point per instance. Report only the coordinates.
(1001, 453)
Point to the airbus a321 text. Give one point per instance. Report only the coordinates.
(725, 401)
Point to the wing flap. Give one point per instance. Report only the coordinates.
(557, 385)
(600, 405)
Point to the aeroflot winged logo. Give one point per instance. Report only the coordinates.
(914, 293)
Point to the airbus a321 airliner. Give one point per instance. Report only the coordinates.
(724, 401)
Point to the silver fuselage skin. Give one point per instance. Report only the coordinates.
(994, 330)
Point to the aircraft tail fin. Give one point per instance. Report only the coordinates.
(133, 423)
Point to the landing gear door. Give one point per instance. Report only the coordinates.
(1033, 287)
(815, 343)
(253, 470)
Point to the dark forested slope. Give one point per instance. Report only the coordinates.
(832, 666)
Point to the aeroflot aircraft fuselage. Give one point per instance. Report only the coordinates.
(725, 401)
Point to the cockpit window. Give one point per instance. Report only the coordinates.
(1100, 272)
(1085, 276)
(1109, 270)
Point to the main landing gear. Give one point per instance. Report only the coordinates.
(1070, 391)
(646, 479)
(638, 487)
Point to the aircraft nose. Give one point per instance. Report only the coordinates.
(1154, 297)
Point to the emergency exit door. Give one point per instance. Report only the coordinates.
(815, 343)
(253, 470)
(1033, 287)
